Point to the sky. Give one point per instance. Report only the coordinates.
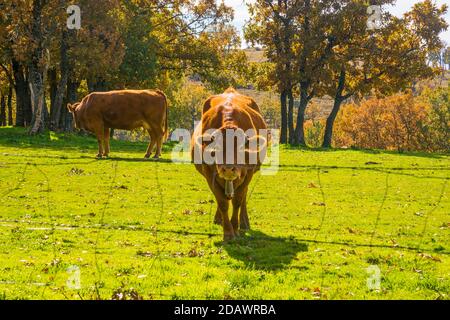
(402, 6)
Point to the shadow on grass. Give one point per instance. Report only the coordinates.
(137, 159)
(261, 251)
(84, 143)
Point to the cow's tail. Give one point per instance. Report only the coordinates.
(166, 126)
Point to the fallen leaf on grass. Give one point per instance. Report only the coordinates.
(445, 225)
(195, 253)
(126, 294)
(316, 293)
(76, 171)
(146, 254)
(429, 256)
(320, 204)
(27, 263)
(200, 212)
(177, 254)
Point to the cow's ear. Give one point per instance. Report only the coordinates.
(207, 105)
(70, 107)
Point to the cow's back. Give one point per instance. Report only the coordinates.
(126, 109)
(244, 111)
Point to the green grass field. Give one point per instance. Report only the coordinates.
(143, 229)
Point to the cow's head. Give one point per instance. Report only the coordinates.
(233, 152)
(73, 110)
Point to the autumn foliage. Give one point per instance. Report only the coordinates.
(401, 122)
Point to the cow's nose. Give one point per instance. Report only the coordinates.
(229, 169)
(228, 172)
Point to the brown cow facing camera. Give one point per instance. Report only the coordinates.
(99, 112)
(227, 148)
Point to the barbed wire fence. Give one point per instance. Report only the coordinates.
(52, 224)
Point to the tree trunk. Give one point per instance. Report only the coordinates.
(338, 99)
(45, 110)
(23, 100)
(53, 82)
(37, 101)
(9, 104)
(328, 137)
(283, 135)
(291, 116)
(299, 134)
(36, 77)
(66, 116)
(62, 85)
(2, 110)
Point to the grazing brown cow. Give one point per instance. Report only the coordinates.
(228, 177)
(98, 112)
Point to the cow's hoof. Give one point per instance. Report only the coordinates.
(156, 157)
(147, 156)
(99, 156)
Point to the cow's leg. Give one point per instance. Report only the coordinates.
(222, 209)
(106, 142)
(158, 146)
(222, 206)
(100, 134)
(244, 221)
(218, 218)
(151, 144)
(237, 202)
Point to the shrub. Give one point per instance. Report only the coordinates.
(314, 130)
(271, 111)
(400, 122)
(438, 129)
(314, 124)
(185, 105)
